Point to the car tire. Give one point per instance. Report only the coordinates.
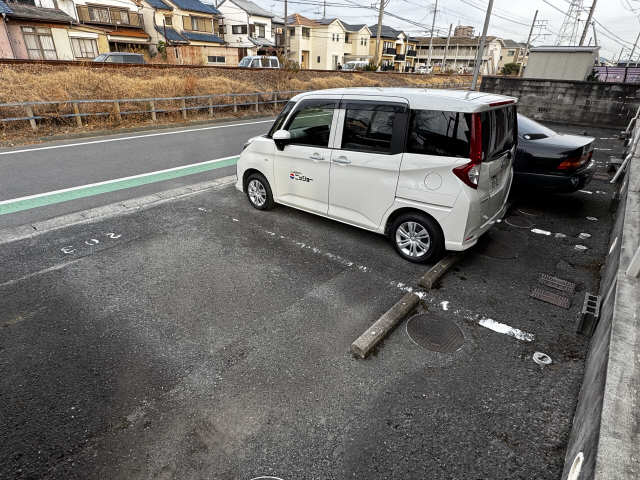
(417, 238)
(259, 192)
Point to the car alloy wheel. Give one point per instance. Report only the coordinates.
(413, 239)
(257, 193)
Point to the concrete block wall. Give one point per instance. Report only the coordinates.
(605, 436)
(583, 103)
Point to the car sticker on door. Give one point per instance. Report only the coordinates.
(299, 177)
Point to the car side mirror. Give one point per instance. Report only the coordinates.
(281, 138)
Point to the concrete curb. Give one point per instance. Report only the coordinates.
(376, 332)
(22, 232)
(439, 269)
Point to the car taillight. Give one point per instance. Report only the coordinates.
(573, 163)
(469, 173)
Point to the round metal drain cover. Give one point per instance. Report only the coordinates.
(435, 333)
(518, 221)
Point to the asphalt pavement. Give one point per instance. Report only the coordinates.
(53, 166)
(202, 338)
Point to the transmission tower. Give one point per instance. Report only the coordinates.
(570, 30)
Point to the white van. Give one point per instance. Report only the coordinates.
(431, 169)
(259, 61)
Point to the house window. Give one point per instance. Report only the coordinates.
(216, 59)
(239, 29)
(39, 43)
(292, 32)
(168, 20)
(511, 53)
(201, 24)
(122, 16)
(318, 59)
(84, 47)
(99, 14)
(306, 32)
(260, 30)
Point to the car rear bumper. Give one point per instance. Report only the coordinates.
(564, 183)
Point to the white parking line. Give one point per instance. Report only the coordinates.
(133, 137)
(506, 329)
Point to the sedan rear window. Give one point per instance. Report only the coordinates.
(531, 129)
(434, 132)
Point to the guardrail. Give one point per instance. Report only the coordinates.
(39, 111)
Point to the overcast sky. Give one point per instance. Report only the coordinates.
(619, 17)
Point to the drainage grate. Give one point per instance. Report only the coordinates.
(590, 314)
(550, 297)
(557, 283)
(435, 333)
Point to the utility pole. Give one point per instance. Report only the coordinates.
(526, 49)
(620, 56)
(446, 49)
(324, 9)
(633, 50)
(476, 67)
(595, 36)
(433, 26)
(376, 58)
(286, 34)
(586, 24)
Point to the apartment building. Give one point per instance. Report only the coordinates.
(187, 32)
(460, 55)
(396, 50)
(248, 27)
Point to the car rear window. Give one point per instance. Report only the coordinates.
(526, 126)
(499, 131)
(434, 132)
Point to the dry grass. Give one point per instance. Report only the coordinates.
(25, 82)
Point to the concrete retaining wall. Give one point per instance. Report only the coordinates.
(582, 103)
(606, 426)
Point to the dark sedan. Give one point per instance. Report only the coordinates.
(551, 161)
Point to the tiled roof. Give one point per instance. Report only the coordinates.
(4, 8)
(511, 44)
(251, 8)
(29, 12)
(387, 32)
(170, 34)
(195, 6)
(325, 21)
(201, 37)
(297, 19)
(261, 42)
(276, 19)
(159, 4)
(353, 28)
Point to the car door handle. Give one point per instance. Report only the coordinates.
(342, 160)
(316, 157)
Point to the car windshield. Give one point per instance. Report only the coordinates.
(245, 62)
(531, 128)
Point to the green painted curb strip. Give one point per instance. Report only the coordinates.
(90, 191)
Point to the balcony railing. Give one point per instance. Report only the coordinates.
(399, 57)
(411, 53)
(388, 51)
(103, 15)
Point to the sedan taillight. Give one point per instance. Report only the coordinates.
(573, 163)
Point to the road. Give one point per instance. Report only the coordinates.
(53, 166)
(202, 338)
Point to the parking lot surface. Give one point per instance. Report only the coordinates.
(204, 339)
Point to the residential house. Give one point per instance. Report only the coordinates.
(35, 33)
(299, 39)
(247, 27)
(396, 50)
(121, 20)
(277, 27)
(187, 32)
(512, 52)
(356, 42)
(328, 39)
(460, 55)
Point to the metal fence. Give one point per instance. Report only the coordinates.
(618, 74)
(115, 109)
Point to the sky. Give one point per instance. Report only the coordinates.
(617, 25)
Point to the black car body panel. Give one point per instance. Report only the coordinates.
(539, 156)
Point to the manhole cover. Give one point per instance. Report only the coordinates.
(435, 333)
(518, 222)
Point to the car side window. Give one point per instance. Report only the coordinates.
(369, 127)
(434, 132)
(310, 124)
(255, 63)
(274, 62)
(282, 116)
